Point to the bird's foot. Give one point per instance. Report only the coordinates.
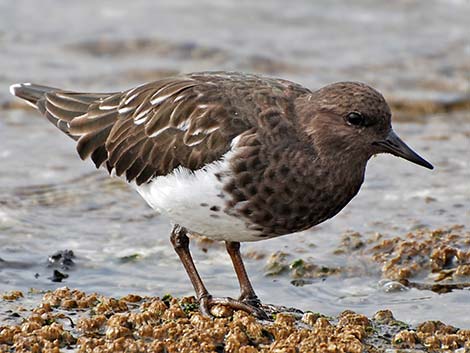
(251, 300)
(206, 302)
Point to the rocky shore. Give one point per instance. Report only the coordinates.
(70, 320)
(67, 320)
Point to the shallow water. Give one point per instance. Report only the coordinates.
(50, 200)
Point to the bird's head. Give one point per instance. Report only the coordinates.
(352, 121)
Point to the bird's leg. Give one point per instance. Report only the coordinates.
(247, 294)
(180, 242)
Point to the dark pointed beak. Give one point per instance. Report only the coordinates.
(394, 145)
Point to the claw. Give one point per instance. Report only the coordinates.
(252, 301)
(206, 302)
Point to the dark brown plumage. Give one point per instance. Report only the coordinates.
(195, 118)
(233, 156)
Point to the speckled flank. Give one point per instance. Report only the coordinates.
(179, 196)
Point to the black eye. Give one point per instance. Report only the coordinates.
(356, 119)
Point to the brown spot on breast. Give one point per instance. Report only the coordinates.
(244, 179)
(267, 190)
(239, 167)
(264, 235)
(287, 191)
(247, 211)
(230, 186)
(276, 156)
(238, 196)
(302, 210)
(263, 217)
(203, 204)
(271, 174)
(284, 210)
(284, 170)
(215, 208)
(251, 190)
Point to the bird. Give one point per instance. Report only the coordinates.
(235, 157)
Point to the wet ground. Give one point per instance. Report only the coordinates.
(416, 53)
(71, 320)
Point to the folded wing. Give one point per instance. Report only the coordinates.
(146, 131)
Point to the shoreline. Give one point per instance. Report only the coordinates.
(73, 321)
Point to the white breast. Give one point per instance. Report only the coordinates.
(196, 200)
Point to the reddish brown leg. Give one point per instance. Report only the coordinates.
(247, 294)
(180, 242)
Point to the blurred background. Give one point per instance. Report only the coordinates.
(417, 53)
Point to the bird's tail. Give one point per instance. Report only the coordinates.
(79, 115)
(60, 107)
(31, 93)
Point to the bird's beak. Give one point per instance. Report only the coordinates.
(394, 145)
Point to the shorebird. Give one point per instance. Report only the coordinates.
(234, 157)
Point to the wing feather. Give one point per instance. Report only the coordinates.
(61, 113)
(154, 128)
(66, 103)
(84, 123)
(99, 156)
(89, 143)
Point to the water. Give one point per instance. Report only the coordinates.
(50, 200)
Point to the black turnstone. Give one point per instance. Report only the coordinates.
(232, 156)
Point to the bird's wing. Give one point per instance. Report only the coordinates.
(149, 130)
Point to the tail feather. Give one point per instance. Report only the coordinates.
(58, 106)
(79, 115)
(31, 93)
(35, 95)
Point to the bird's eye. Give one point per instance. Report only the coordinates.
(356, 119)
